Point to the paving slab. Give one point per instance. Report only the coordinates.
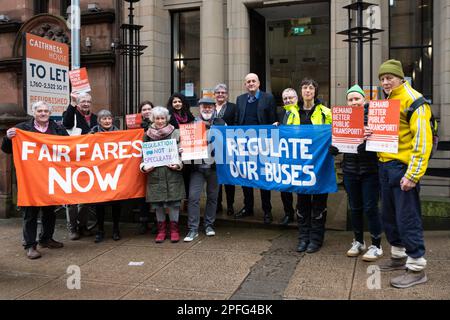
(437, 287)
(113, 266)
(155, 293)
(240, 240)
(319, 276)
(90, 290)
(14, 285)
(213, 271)
(53, 262)
(148, 240)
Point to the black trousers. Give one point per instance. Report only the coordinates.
(249, 200)
(230, 191)
(288, 203)
(144, 211)
(30, 216)
(312, 215)
(100, 211)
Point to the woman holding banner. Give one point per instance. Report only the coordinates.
(180, 113)
(311, 209)
(362, 186)
(165, 188)
(105, 124)
(39, 123)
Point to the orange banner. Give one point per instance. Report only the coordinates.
(56, 170)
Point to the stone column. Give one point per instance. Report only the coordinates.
(238, 25)
(442, 94)
(212, 55)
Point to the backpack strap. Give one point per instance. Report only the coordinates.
(414, 106)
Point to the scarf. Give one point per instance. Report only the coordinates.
(180, 118)
(159, 134)
(42, 129)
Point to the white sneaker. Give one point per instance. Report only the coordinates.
(373, 254)
(191, 236)
(356, 249)
(210, 231)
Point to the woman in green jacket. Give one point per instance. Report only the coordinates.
(165, 188)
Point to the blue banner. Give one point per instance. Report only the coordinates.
(285, 158)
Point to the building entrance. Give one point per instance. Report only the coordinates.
(289, 43)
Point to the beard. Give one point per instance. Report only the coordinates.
(206, 116)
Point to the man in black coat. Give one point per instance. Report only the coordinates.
(39, 123)
(79, 110)
(255, 107)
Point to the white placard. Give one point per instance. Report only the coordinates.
(160, 153)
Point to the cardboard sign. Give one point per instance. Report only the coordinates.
(160, 153)
(375, 92)
(46, 70)
(79, 80)
(348, 128)
(133, 121)
(57, 170)
(383, 119)
(193, 141)
(208, 93)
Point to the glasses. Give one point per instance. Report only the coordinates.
(220, 92)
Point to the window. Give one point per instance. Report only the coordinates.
(64, 5)
(40, 6)
(411, 41)
(186, 54)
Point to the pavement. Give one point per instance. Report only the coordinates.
(242, 262)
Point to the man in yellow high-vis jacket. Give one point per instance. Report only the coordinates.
(399, 175)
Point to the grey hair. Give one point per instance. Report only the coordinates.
(289, 90)
(221, 86)
(83, 95)
(159, 111)
(38, 104)
(104, 114)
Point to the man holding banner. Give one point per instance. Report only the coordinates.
(40, 123)
(201, 173)
(255, 108)
(79, 116)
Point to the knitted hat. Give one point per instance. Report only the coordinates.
(392, 67)
(356, 88)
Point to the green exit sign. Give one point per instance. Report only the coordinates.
(301, 31)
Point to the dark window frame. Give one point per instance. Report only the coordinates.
(64, 4)
(173, 59)
(40, 6)
(421, 46)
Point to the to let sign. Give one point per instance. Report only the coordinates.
(46, 71)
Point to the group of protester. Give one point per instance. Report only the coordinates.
(367, 175)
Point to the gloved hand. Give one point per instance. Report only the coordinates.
(333, 150)
(362, 148)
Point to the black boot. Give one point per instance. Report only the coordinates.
(268, 218)
(288, 218)
(143, 227)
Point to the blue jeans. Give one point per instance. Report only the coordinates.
(363, 194)
(401, 212)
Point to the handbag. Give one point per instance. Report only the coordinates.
(74, 131)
